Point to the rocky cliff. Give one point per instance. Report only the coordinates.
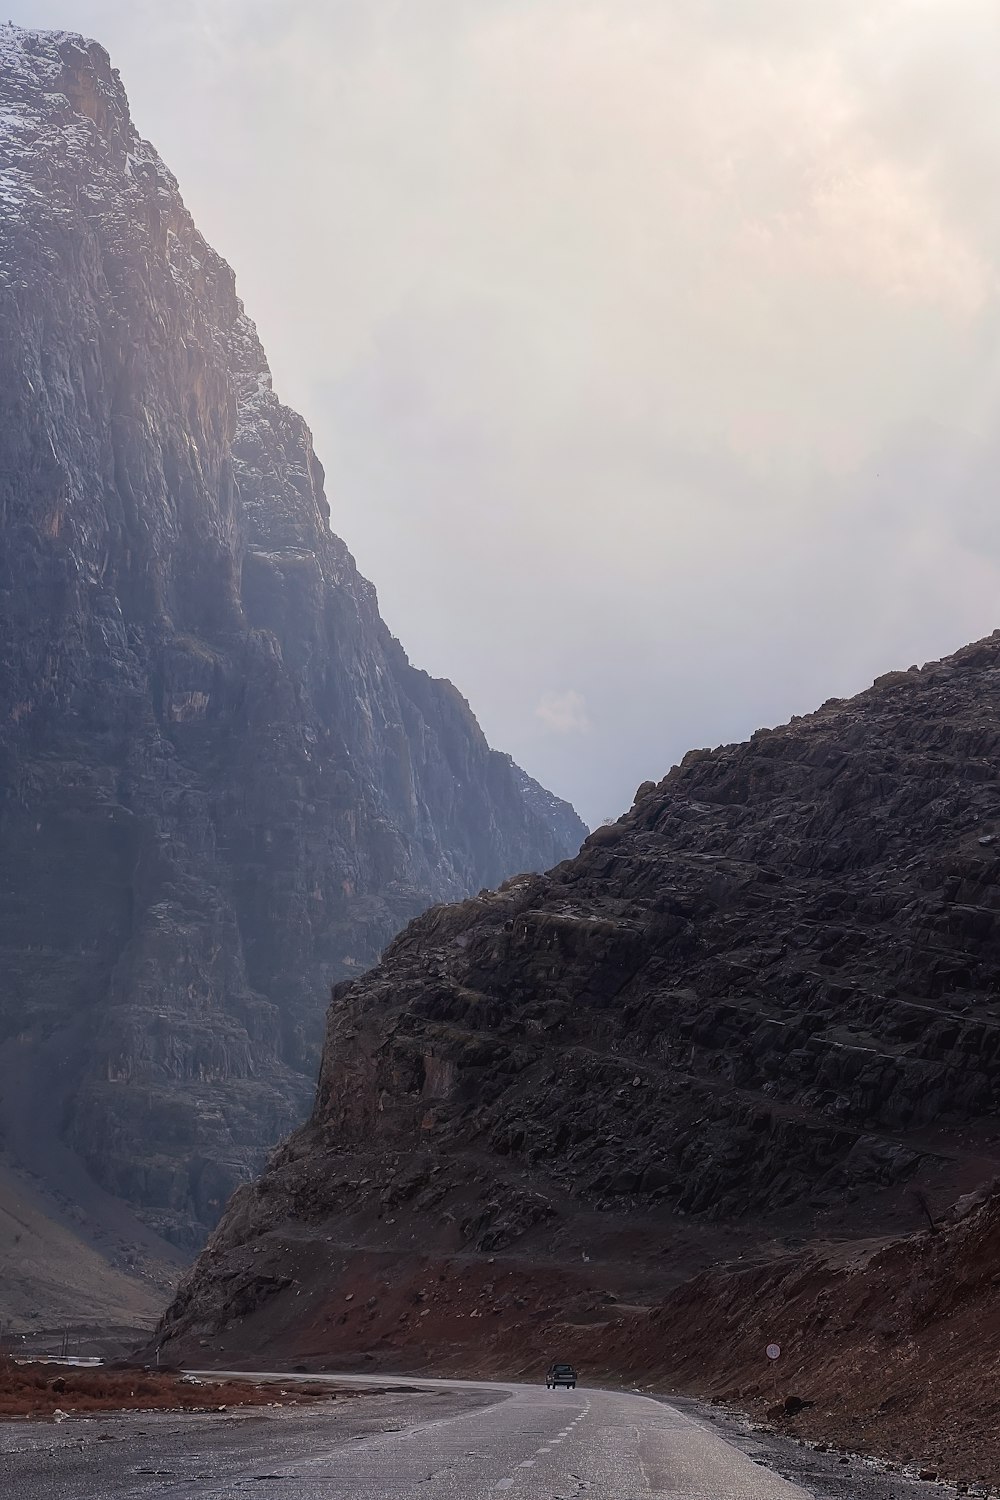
(222, 783)
(763, 1007)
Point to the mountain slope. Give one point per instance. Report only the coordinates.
(222, 783)
(762, 1007)
(57, 1273)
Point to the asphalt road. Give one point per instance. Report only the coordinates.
(447, 1440)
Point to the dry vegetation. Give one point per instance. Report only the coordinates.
(40, 1390)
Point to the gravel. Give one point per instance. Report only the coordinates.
(829, 1475)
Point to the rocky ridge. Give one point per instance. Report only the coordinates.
(762, 1008)
(222, 784)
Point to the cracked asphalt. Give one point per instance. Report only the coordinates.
(443, 1440)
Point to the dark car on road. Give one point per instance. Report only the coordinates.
(560, 1375)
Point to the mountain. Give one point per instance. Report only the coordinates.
(61, 1268)
(222, 784)
(762, 1009)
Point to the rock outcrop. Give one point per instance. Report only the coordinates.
(763, 1006)
(222, 784)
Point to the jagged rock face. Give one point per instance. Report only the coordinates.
(768, 997)
(222, 781)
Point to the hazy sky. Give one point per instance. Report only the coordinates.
(651, 346)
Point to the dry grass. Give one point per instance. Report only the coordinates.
(39, 1390)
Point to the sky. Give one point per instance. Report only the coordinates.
(651, 346)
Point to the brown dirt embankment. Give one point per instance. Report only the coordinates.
(44, 1390)
(889, 1350)
(888, 1347)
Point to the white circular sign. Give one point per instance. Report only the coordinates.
(774, 1351)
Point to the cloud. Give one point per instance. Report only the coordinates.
(564, 713)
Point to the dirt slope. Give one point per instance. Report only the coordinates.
(893, 1348)
(887, 1347)
(61, 1268)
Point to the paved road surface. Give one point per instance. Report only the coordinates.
(449, 1440)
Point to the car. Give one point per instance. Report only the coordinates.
(559, 1374)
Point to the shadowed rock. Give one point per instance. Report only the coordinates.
(764, 1004)
(222, 782)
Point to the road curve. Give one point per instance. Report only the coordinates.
(534, 1444)
(495, 1441)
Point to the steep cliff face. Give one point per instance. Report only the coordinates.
(222, 781)
(765, 1005)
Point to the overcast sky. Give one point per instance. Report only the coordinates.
(650, 345)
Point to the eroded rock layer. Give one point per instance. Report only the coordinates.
(221, 781)
(763, 1006)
